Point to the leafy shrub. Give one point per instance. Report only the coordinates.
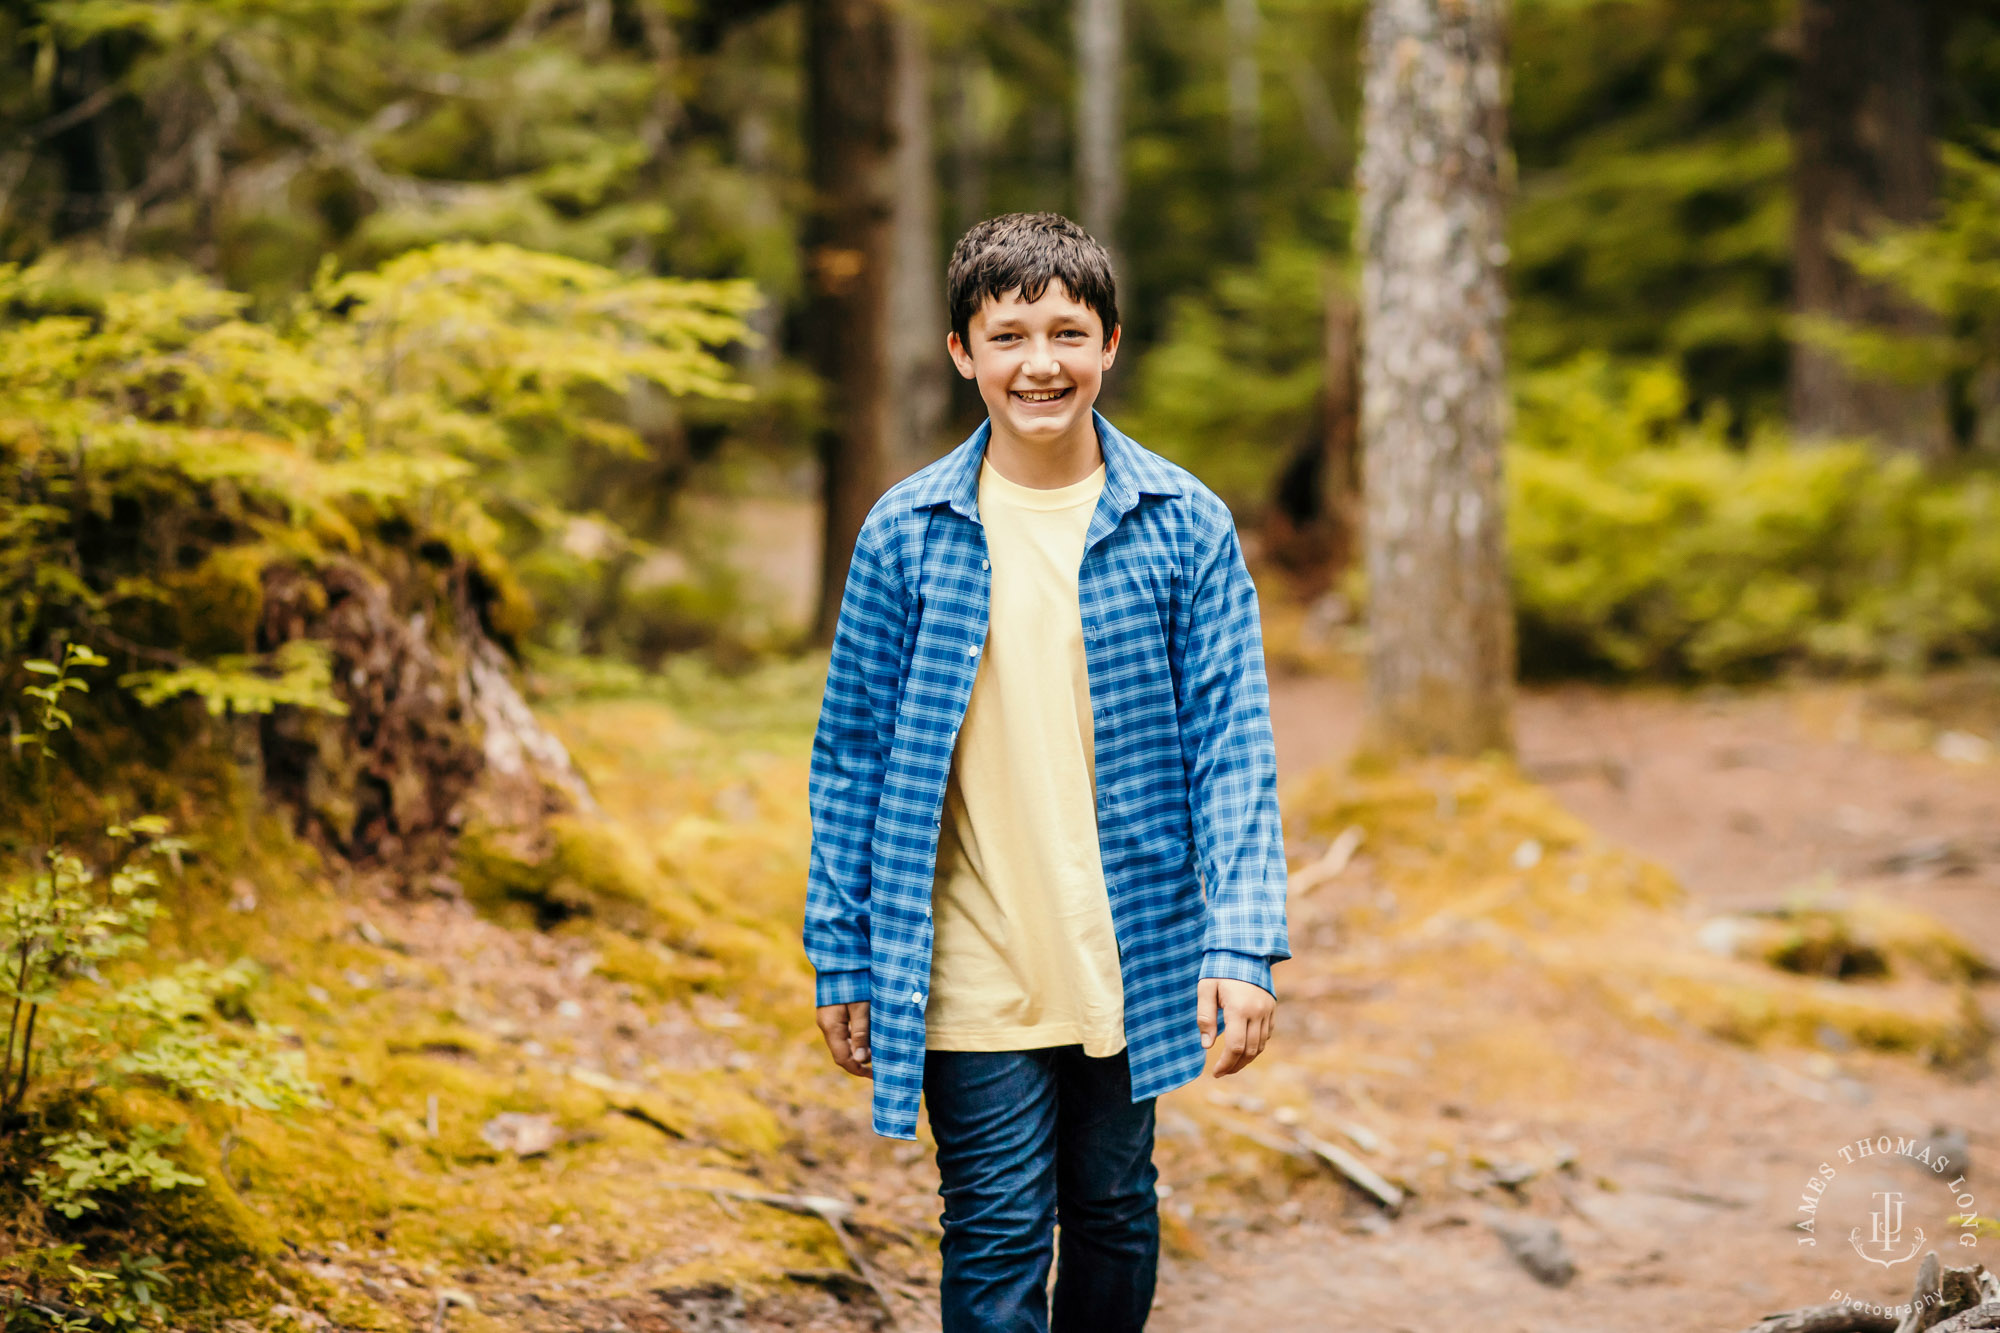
(170, 1032)
(162, 450)
(1644, 545)
(232, 507)
(1232, 388)
(1952, 267)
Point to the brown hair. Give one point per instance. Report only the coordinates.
(1028, 250)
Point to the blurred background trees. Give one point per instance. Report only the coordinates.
(1719, 235)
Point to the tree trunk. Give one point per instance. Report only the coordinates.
(1100, 132)
(918, 388)
(851, 138)
(1441, 666)
(1863, 157)
(1315, 520)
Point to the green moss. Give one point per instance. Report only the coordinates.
(1476, 854)
(652, 968)
(686, 892)
(575, 866)
(1946, 1030)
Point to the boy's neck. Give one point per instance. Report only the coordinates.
(1045, 465)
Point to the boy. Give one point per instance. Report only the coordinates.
(1046, 860)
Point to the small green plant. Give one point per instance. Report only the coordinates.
(53, 921)
(83, 1163)
(187, 1032)
(124, 1296)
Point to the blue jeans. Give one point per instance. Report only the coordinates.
(1026, 1139)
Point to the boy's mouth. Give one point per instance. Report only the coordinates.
(1042, 395)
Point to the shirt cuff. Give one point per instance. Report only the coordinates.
(1230, 966)
(840, 987)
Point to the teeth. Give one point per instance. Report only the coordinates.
(1042, 395)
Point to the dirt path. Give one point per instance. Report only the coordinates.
(1679, 1216)
(1742, 795)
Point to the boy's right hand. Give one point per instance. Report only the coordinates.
(845, 1027)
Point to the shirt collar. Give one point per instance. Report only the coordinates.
(1129, 472)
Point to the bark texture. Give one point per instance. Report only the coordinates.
(851, 139)
(1863, 157)
(1441, 666)
(435, 734)
(1100, 130)
(918, 388)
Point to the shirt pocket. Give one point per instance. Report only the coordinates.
(1142, 597)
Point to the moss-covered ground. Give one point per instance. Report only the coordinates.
(558, 1077)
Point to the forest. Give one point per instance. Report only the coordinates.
(433, 438)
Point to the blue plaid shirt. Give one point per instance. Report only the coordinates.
(1187, 809)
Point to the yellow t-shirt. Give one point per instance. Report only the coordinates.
(1024, 954)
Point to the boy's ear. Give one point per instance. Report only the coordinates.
(1111, 345)
(959, 356)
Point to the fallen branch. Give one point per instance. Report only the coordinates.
(1330, 866)
(1350, 1167)
(1943, 1300)
(61, 1313)
(1825, 1319)
(831, 1211)
(1977, 1320)
(1355, 1170)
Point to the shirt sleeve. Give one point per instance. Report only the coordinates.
(1232, 767)
(850, 755)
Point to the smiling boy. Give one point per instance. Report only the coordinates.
(1047, 869)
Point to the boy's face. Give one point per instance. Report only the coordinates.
(1038, 364)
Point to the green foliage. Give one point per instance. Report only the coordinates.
(187, 1033)
(1653, 215)
(1645, 545)
(265, 134)
(299, 675)
(1232, 389)
(51, 920)
(1952, 267)
(83, 1164)
(124, 1296)
(162, 450)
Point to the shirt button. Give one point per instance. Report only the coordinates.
(984, 564)
(972, 650)
(916, 997)
(927, 909)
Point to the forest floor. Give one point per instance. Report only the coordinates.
(575, 1088)
(1692, 1154)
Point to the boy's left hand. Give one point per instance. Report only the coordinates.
(1249, 1011)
